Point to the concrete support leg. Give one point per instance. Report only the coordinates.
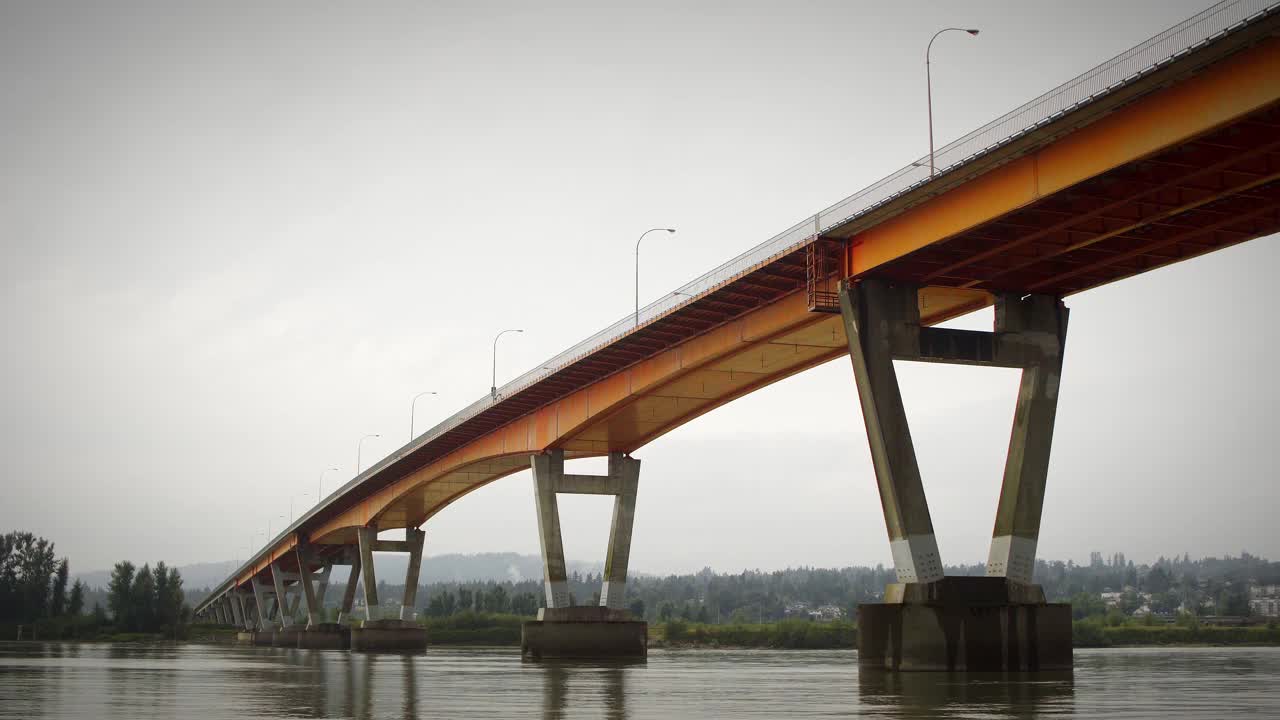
(614, 592)
(279, 578)
(368, 537)
(873, 312)
(547, 469)
(237, 611)
(312, 592)
(415, 540)
(262, 603)
(349, 596)
(1042, 323)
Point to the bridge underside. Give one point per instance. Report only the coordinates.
(1216, 190)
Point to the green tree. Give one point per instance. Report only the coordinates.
(120, 594)
(496, 600)
(637, 608)
(58, 594)
(75, 602)
(143, 599)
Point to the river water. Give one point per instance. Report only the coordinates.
(208, 682)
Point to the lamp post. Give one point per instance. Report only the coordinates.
(291, 499)
(320, 485)
(360, 447)
(413, 407)
(277, 517)
(646, 232)
(493, 389)
(928, 81)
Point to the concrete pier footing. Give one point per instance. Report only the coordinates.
(286, 637)
(327, 636)
(389, 635)
(968, 624)
(584, 632)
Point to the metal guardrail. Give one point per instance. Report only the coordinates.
(1138, 62)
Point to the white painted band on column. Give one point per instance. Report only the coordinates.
(916, 559)
(1012, 557)
(613, 594)
(557, 593)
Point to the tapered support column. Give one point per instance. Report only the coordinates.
(874, 312)
(313, 584)
(1042, 324)
(349, 595)
(547, 468)
(414, 539)
(614, 593)
(368, 537)
(279, 577)
(260, 598)
(237, 612)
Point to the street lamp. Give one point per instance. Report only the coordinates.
(493, 389)
(291, 499)
(928, 80)
(646, 232)
(412, 407)
(360, 446)
(269, 535)
(320, 486)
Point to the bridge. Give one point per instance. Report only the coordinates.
(1165, 152)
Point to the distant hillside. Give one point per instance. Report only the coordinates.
(391, 568)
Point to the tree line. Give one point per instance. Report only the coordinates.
(1212, 585)
(33, 581)
(34, 594)
(146, 599)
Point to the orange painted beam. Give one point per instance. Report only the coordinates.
(1220, 94)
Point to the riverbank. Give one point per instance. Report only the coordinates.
(1093, 634)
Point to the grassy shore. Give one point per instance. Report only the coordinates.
(785, 634)
(1091, 633)
(472, 628)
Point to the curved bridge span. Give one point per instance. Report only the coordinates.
(1166, 152)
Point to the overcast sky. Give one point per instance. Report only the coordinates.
(237, 238)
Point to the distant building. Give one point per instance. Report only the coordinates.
(1264, 600)
(827, 613)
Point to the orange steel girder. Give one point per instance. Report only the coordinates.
(1218, 96)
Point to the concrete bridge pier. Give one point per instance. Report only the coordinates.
(288, 595)
(565, 630)
(241, 611)
(266, 604)
(318, 634)
(390, 634)
(927, 621)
